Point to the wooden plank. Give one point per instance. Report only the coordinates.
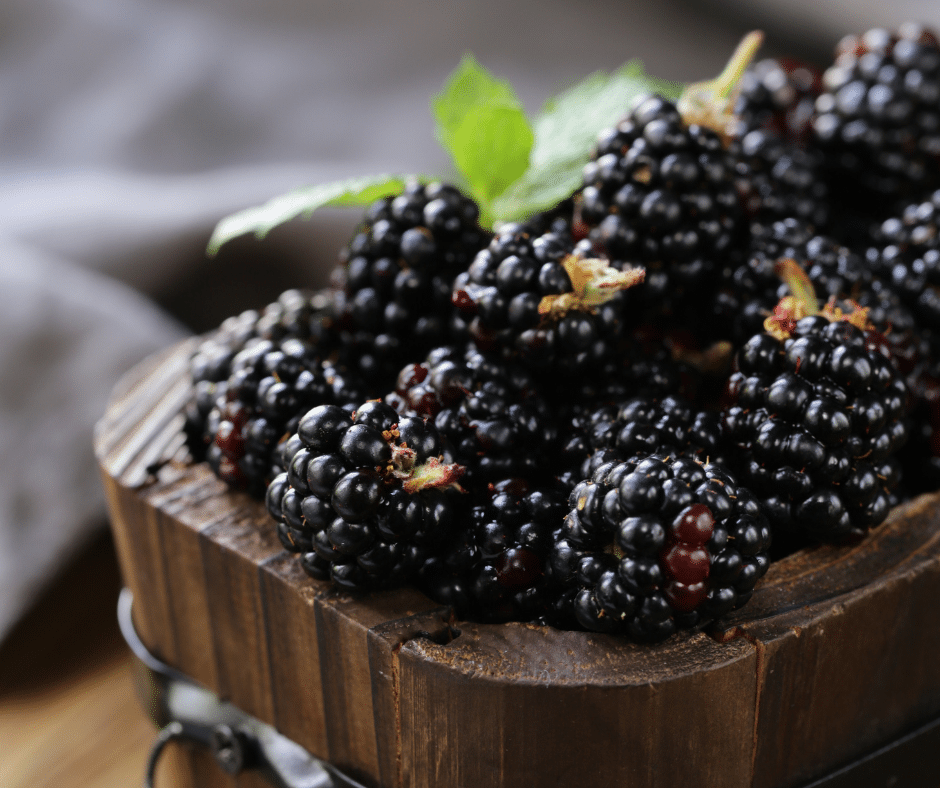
(525, 705)
(232, 548)
(182, 510)
(343, 624)
(385, 642)
(288, 597)
(853, 667)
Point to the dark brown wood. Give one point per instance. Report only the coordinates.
(834, 656)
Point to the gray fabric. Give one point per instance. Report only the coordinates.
(68, 334)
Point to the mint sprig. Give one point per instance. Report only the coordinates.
(261, 219)
(483, 126)
(512, 167)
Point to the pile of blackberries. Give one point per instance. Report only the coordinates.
(722, 347)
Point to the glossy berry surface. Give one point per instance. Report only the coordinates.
(495, 570)
(661, 193)
(878, 118)
(506, 295)
(366, 495)
(657, 544)
(396, 273)
(815, 422)
(488, 409)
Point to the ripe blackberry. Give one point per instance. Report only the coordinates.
(366, 496)
(777, 179)
(299, 314)
(270, 386)
(396, 275)
(539, 299)
(488, 409)
(660, 188)
(661, 193)
(815, 420)
(658, 544)
(639, 426)
(749, 291)
(778, 95)
(906, 254)
(878, 119)
(495, 568)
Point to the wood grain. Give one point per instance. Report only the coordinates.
(834, 655)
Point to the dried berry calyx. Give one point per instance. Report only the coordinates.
(803, 303)
(711, 103)
(594, 281)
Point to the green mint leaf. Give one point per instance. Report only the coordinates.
(482, 125)
(491, 149)
(565, 133)
(261, 219)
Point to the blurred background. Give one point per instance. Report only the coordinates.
(128, 128)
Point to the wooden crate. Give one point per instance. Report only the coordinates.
(835, 654)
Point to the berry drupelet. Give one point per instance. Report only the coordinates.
(542, 300)
(778, 95)
(495, 568)
(397, 271)
(657, 544)
(878, 119)
(816, 417)
(487, 408)
(270, 386)
(662, 194)
(777, 179)
(366, 496)
(639, 426)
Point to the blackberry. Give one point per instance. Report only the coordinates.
(660, 188)
(488, 409)
(778, 95)
(777, 179)
(662, 194)
(816, 417)
(495, 569)
(658, 544)
(540, 299)
(749, 291)
(639, 426)
(367, 495)
(296, 313)
(270, 386)
(396, 275)
(878, 119)
(906, 254)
